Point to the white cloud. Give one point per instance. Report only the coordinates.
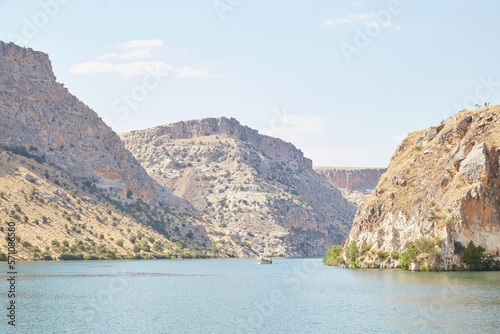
(138, 50)
(135, 57)
(328, 22)
(139, 54)
(142, 44)
(364, 19)
(126, 69)
(191, 72)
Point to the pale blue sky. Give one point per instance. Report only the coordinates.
(294, 69)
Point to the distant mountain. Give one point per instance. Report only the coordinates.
(43, 126)
(440, 193)
(349, 178)
(261, 192)
(355, 183)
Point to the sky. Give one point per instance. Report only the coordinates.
(344, 81)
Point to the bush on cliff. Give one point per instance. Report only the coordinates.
(333, 256)
(407, 256)
(352, 254)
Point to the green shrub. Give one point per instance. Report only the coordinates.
(158, 247)
(26, 244)
(68, 257)
(46, 256)
(333, 256)
(426, 245)
(407, 256)
(17, 207)
(352, 254)
(474, 256)
(382, 254)
(365, 248)
(145, 246)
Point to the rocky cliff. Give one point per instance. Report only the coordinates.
(260, 191)
(40, 115)
(42, 123)
(355, 183)
(358, 179)
(441, 191)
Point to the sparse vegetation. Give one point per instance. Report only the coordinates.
(426, 245)
(352, 254)
(475, 258)
(407, 257)
(333, 256)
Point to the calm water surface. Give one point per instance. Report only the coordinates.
(240, 296)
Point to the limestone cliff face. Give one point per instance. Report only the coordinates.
(358, 179)
(355, 183)
(442, 189)
(261, 191)
(39, 114)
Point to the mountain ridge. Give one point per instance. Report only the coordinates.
(200, 159)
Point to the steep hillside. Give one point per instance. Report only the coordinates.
(355, 183)
(41, 122)
(260, 190)
(56, 218)
(440, 192)
(40, 116)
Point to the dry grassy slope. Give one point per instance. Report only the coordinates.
(49, 209)
(442, 184)
(259, 191)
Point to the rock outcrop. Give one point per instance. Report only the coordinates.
(39, 116)
(441, 191)
(261, 191)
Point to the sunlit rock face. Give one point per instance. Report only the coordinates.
(442, 186)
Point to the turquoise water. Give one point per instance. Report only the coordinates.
(240, 296)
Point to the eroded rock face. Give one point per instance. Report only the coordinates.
(261, 191)
(441, 189)
(473, 167)
(358, 179)
(41, 116)
(355, 183)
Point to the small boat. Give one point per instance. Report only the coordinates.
(265, 260)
